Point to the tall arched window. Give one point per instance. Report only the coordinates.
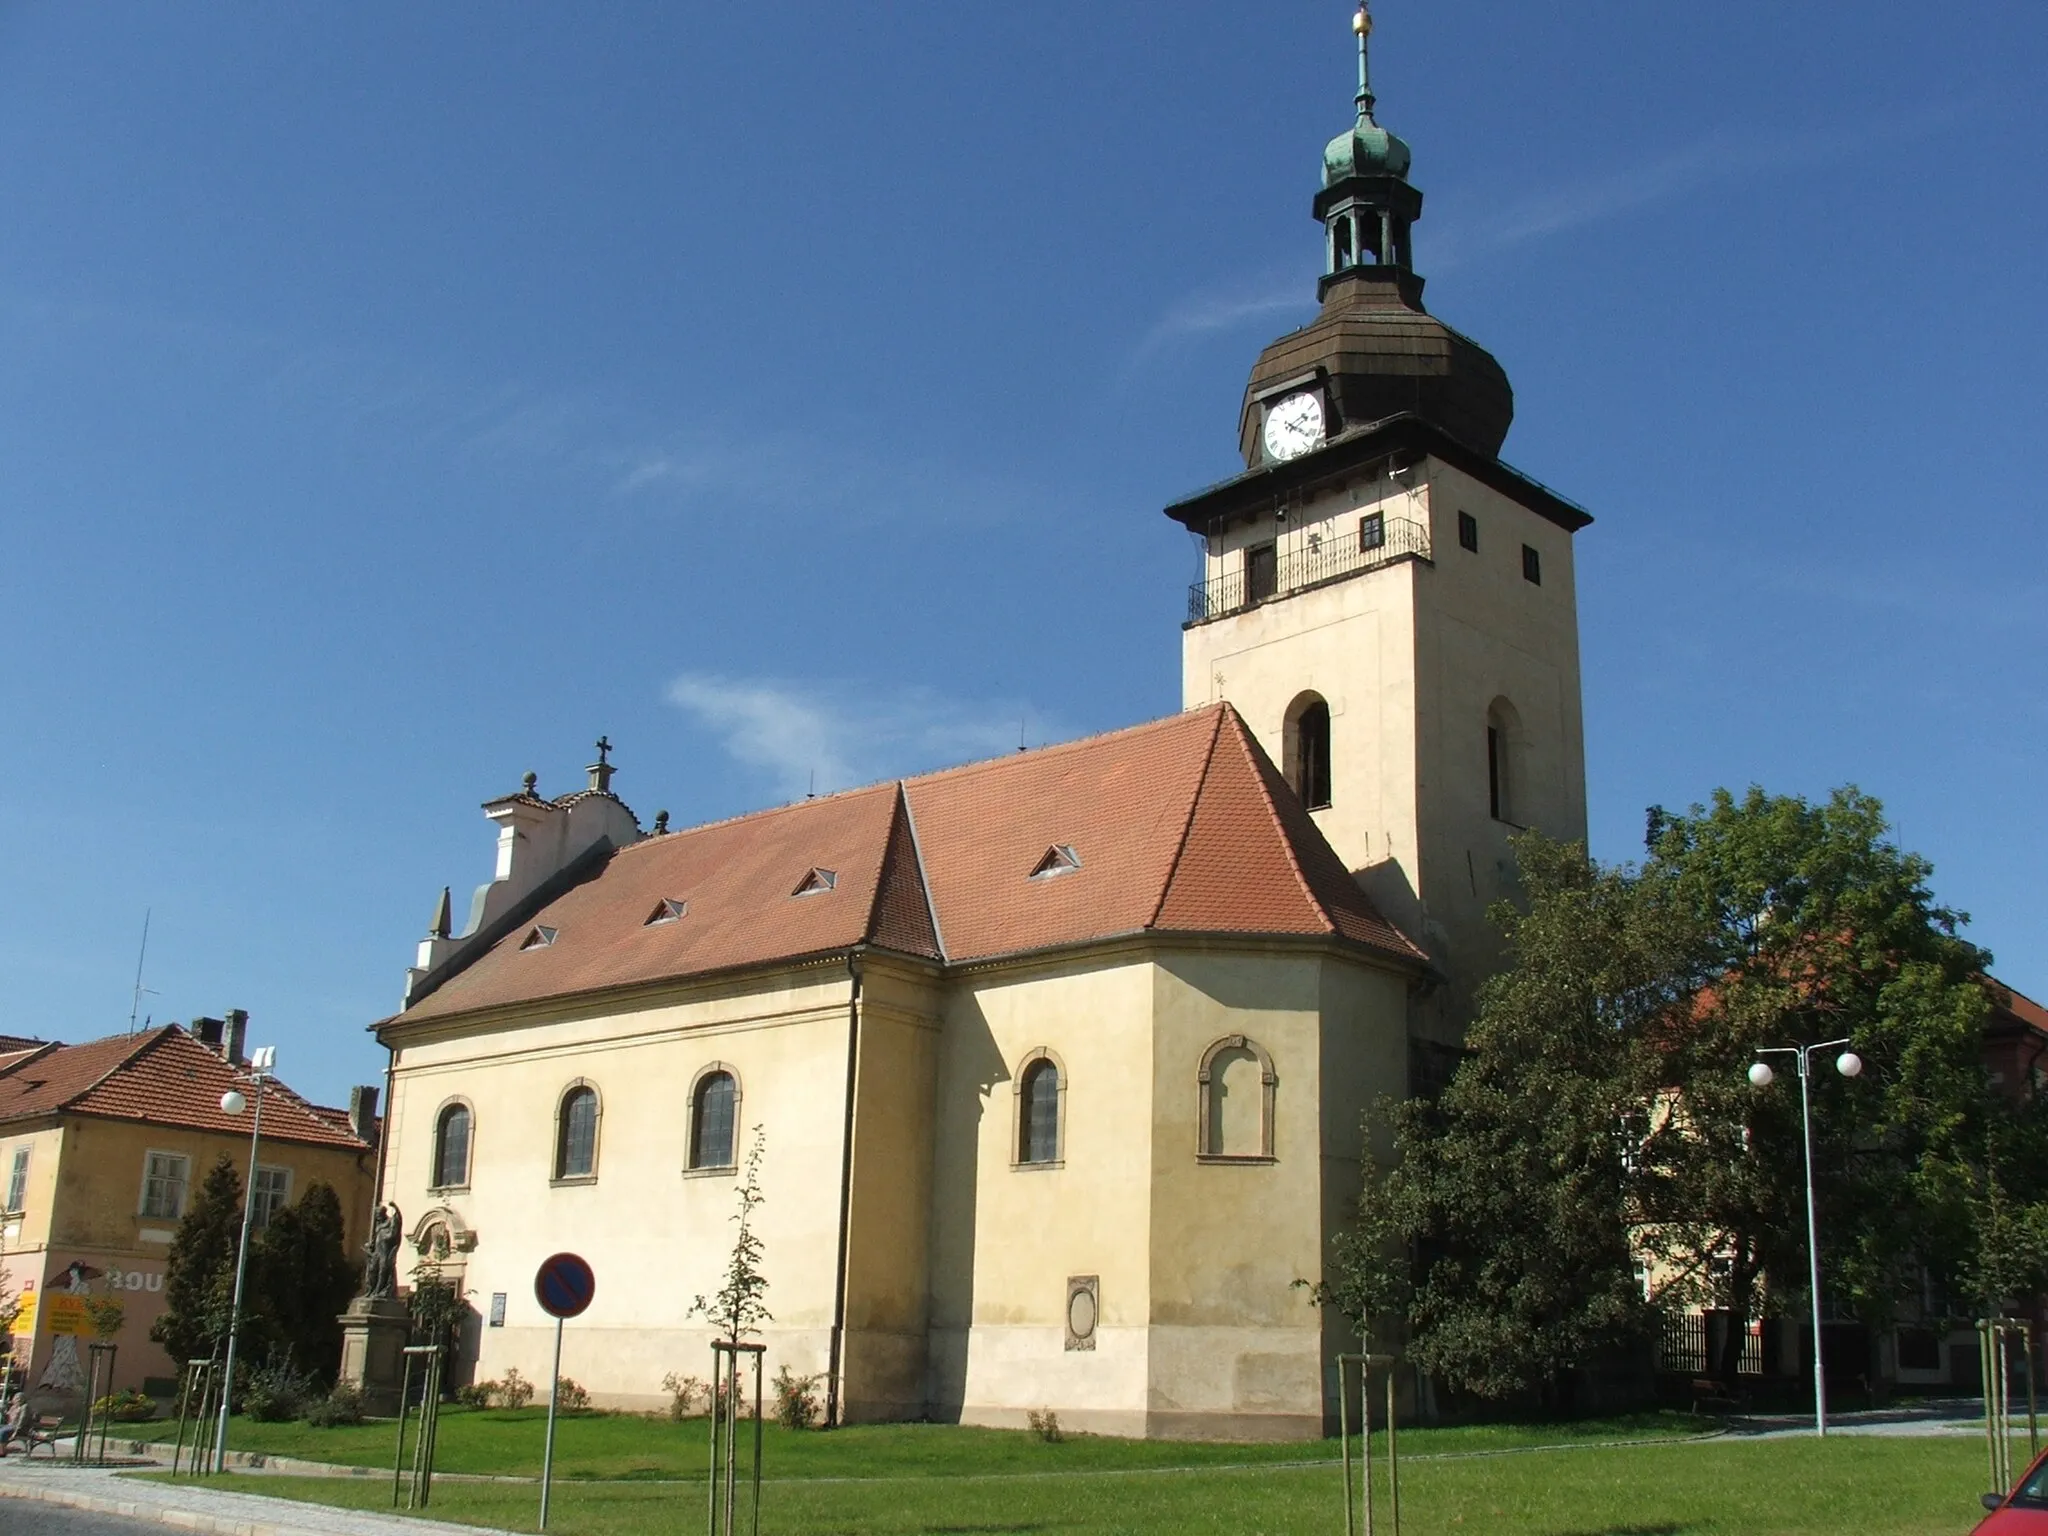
(1504, 765)
(1236, 1110)
(576, 1134)
(1038, 1110)
(712, 1107)
(1306, 750)
(451, 1147)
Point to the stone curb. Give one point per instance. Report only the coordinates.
(223, 1525)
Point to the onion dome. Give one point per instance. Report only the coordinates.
(1374, 351)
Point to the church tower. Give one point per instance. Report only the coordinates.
(1388, 604)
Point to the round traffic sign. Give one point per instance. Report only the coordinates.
(564, 1285)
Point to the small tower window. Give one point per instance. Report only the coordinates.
(1340, 244)
(1532, 565)
(1372, 531)
(1261, 573)
(1311, 754)
(1468, 532)
(1504, 751)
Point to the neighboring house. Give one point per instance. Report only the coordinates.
(102, 1146)
(1921, 1351)
(1061, 1057)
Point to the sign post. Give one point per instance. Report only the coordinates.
(563, 1286)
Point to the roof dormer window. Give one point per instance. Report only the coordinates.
(540, 938)
(816, 883)
(667, 910)
(1058, 860)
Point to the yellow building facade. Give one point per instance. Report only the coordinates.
(102, 1147)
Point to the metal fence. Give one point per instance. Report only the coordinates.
(1692, 1342)
(1365, 544)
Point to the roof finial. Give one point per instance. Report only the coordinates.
(1362, 25)
(601, 771)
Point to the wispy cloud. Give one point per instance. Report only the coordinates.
(1724, 154)
(812, 736)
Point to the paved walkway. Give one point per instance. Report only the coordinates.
(210, 1510)
(1931, 1416)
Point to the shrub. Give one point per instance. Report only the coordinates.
(1046, 1425)
(477, 1394)
(275, 1392)
(796, 1399)
(515, 1391)
(683, 1392)
(344, 1405)
(570, 1396)
(129, 1407)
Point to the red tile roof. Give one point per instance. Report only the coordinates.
(1182, 825)
(162, 1076)
(2022, 1008)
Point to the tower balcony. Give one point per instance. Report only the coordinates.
(1317, 559)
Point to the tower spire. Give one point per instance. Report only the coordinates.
(1362, 25)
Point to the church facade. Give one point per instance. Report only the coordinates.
(1055, 1063)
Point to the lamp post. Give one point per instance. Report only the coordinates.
(1849, 1064)
(261, 1063)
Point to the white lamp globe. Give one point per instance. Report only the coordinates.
(1761, 1075)
(1849, 1064)
(232, 1101)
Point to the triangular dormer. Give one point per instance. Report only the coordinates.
(667, 910)
(540, 937)
(1059, 859)
(816, 882)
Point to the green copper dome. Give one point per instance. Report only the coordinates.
(1366, 149)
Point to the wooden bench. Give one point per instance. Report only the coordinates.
(42, 1429)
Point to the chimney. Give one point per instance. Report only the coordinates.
(235, 1037)
(208, 1032)
(362, 1112)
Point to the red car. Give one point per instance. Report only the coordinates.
(2024, 1511)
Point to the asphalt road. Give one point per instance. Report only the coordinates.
(29, 1517)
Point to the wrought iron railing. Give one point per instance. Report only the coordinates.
(1320, 557)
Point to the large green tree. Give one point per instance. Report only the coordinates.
(300, 1279)
(1603, 1111)
(199, 1275)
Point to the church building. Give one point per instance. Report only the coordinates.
(1056, 1061)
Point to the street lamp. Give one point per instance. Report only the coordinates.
(1849, 1064)
(261, 1063)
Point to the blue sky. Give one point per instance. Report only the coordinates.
(392, 398)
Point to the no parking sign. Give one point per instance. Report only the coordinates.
(563, 1285)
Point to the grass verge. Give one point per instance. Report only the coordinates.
(1872, 1486)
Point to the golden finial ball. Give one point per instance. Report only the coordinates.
(1362, 22)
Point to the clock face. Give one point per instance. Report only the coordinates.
(1294, 425)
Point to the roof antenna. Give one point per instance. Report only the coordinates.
(1020, 730)
(135, 1002)
(812, 793)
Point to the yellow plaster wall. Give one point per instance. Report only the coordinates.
(1005, 1239)
(655, 1233)
(86, 1181)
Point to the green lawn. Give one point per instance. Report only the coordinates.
(502, 1442)
(1849, 1484)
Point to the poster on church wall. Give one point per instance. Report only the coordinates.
(25, 1319)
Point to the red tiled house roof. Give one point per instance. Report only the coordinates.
(1182, 825)
(162, 1076)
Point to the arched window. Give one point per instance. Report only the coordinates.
(1306, 751)
(713, 1104)
(576, 1134)
(1504, 764)
(451, 1147)
(1236, 1109)
(1040, 1096)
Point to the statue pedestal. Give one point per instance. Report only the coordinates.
(374, 1332)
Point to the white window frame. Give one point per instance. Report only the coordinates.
(184, 1185)
(17, 1179)
(284, 1198)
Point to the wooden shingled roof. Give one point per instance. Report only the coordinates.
(1182, 825)
(164, 1077)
